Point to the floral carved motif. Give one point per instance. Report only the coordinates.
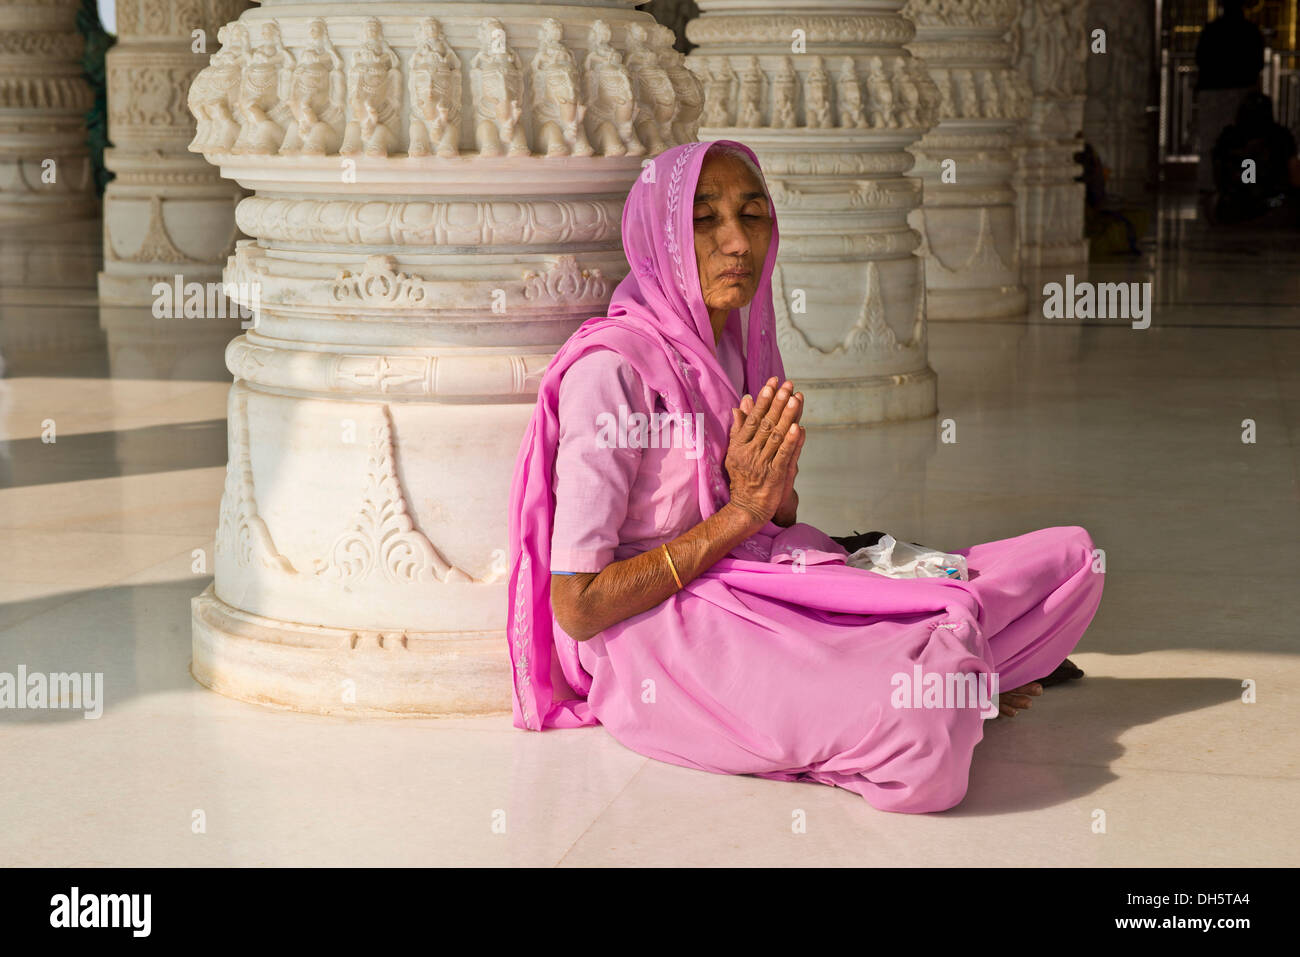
(382, 536)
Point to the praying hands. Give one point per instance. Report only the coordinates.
(763, 453)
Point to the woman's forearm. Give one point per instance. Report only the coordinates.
(632, 585)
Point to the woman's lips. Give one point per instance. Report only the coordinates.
(736, 275)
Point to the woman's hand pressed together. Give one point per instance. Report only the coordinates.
(762, 450)
(783, 399)
(766, 440)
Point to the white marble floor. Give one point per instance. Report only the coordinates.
(1134, 434)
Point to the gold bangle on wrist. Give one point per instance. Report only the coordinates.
(671, 566)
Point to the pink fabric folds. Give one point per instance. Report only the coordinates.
(781, 660)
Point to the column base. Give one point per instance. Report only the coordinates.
(886, 398)
(339, 671)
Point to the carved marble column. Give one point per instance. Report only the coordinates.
(438, 202)
(45, 172)
(968, 216)
(167, 213)
(1049, 46)
(1115, 118)
(830, 99)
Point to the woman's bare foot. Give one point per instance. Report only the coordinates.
(1010, 703)
(1067, 670)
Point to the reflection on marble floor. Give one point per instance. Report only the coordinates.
(1134, 434)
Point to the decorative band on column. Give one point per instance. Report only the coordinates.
(257, 361)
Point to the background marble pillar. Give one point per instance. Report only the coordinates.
(168, 212)
(1116, 120)
(433, 215)
(968, 214)
(829, 98)
(45, 173)
(1050, 46)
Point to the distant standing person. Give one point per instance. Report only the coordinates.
(1229, 56)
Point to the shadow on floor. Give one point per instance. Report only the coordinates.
(136, 636)
(99, 455)
(1063, 747)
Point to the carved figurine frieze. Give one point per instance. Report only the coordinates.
(881, 95)
(611, 106)
(943, 81)
(316, 97)
(849, 90)
(687, 89)
(1013, 91)
(497, 81)
(556, 103)
(720, 89)
(928, 107)
(652, 90)
(375, 98)
(909, 108)
(435, 84)
(785, 96)
(752, 81)
(263, 104)
(817, 106)
(967, 96)
(214, 92)
(990, 101)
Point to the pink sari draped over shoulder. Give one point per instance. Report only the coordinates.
(781, 660)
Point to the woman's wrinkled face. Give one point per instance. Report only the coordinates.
(733, 229)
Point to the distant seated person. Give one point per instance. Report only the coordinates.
(1256, 169)
(1108, 230)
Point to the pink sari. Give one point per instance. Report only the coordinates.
(780, 661)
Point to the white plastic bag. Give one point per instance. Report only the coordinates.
(896, 559)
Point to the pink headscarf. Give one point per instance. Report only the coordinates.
(659, 323)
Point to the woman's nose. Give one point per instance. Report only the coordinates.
(732, 237)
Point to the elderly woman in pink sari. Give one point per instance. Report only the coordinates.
(660, 583)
